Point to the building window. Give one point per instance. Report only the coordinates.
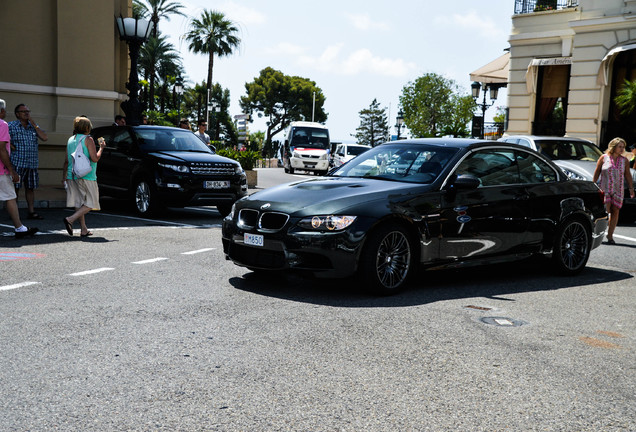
(553, 83)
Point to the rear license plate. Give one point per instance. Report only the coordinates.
(253, 239)
(216, 184)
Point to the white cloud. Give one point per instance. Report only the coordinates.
(286, 49)
(364, 22)
(358, 62)
(472, 21)
(242, 14)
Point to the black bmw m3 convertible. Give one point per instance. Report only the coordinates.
(420, 203)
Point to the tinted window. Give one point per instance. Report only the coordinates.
(170, 140)
(569, 150)
(356, 150)
(492, 167)
(534, 170)
(123, 141)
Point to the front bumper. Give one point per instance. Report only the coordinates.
(182, 191)
(309, 164)
(332, 254)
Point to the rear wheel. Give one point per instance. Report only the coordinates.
(144, 198)
(571, 247)
(387, 260)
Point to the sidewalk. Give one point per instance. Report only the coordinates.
(45, 197)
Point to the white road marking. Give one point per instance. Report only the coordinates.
(148, 261)
(197, 251)
(625, 238)
(88, 272)
(18, 285)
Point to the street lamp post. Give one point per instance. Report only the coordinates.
(399, 121)
(494, 92)
(178, 90)
(135, 32)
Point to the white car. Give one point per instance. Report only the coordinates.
(345, 152)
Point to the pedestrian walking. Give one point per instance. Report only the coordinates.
(81, 193)
(202, 126)
(613, 170)
(8, 177)
(25, 133)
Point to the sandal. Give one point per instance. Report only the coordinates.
(34, 215)
(69, 227)
(88, 234)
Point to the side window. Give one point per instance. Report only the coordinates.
(123, 141)
(524, 142)
(492, 167)
(534, 170)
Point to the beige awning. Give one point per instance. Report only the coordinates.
(604, 70)
(535, 64)
(494, 72)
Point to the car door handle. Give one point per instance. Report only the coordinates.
(522, 196)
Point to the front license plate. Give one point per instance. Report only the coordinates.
(216, 184)
(253, 239)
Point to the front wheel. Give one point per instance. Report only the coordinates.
(387, 260)
(571, 247)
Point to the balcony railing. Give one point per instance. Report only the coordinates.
(529, 6)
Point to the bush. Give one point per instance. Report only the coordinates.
(246, 158)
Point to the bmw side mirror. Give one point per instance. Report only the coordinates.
(466, 182)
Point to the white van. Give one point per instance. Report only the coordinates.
(307, 148)
(345, 152)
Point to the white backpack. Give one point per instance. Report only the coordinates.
(81, 163)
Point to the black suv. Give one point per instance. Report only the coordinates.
(158, 166)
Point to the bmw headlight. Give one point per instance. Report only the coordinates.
(327, 223)
(176, 168)
(573, 175)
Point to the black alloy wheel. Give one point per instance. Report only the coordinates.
(571, 247)
(387, 260)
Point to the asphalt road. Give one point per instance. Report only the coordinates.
(146, 327)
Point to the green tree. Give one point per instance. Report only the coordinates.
(433, 106)
(626, 98)
(461, 113)
(155, 10)
(374, 125)
(283, 99)
(155, 55)
(212, 34)
(500, 117)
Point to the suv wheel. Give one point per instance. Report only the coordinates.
(143, 198)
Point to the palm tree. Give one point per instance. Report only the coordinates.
(212, 34)
(156, 52)
(626, 97)
(154, 10)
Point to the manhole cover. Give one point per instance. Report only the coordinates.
(12, 256)
(502, 321)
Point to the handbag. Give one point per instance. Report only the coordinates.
(81, 164)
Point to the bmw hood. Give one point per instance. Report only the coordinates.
(327, 195)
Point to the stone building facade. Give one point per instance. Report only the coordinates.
(63, 58)
(566, 66)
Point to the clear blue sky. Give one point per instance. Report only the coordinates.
(354, 50)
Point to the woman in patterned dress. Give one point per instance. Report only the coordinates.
(613, 170)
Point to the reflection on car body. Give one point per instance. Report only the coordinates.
(435, 202)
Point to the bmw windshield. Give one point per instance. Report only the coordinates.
(399, 162)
